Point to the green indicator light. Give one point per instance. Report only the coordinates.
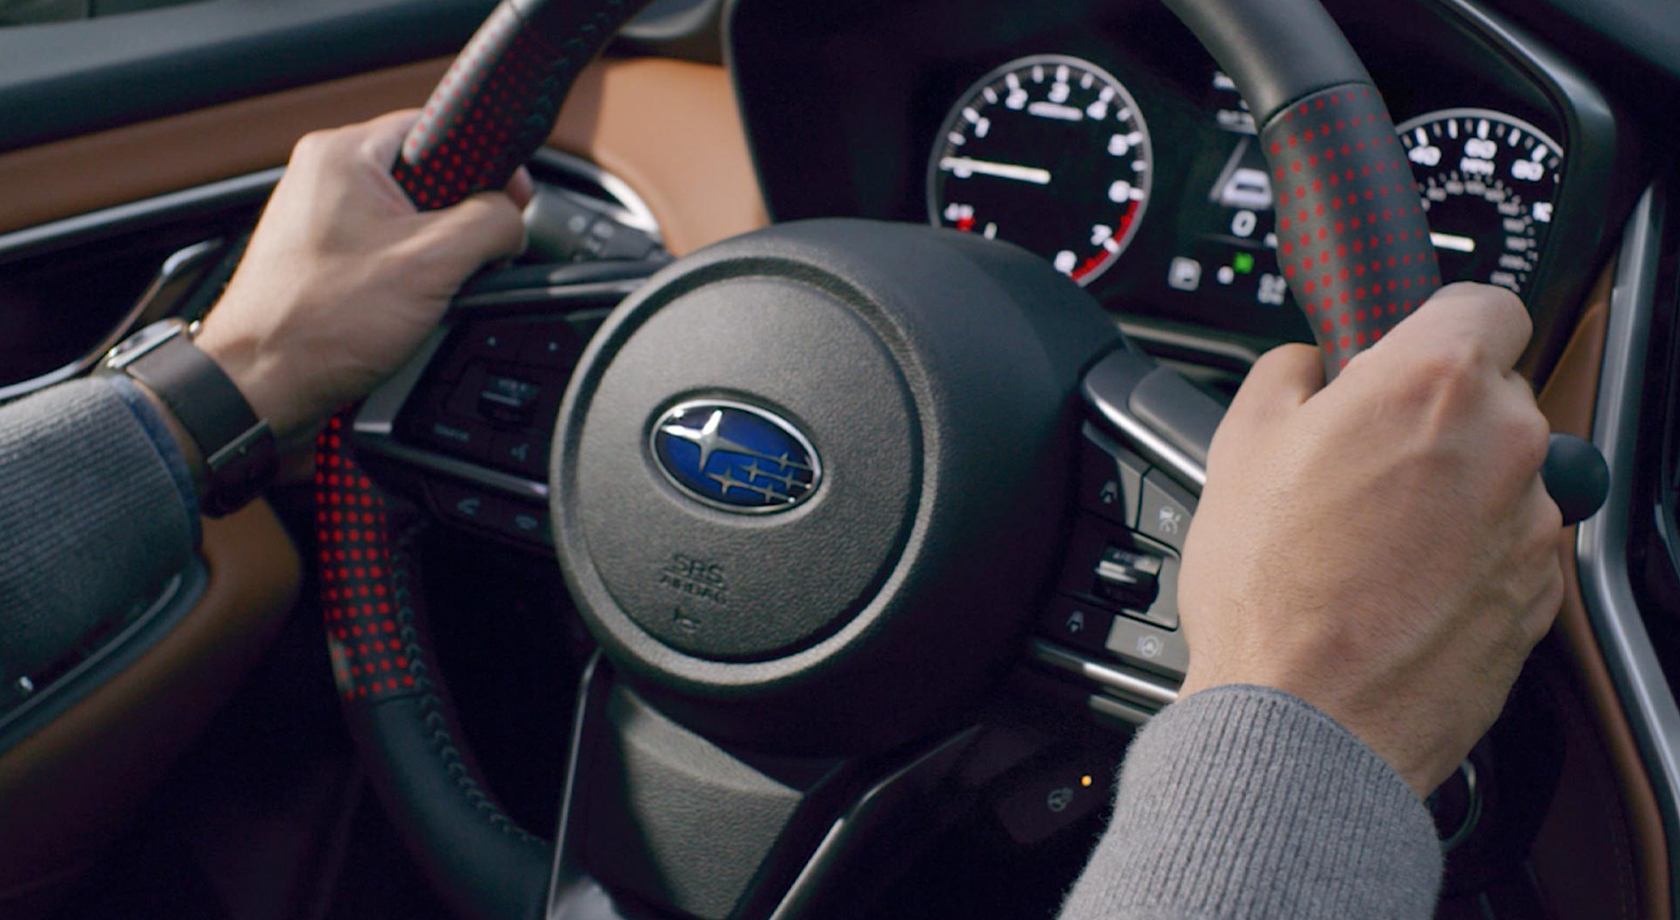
(1243, 262)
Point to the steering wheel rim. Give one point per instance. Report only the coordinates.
(1288, 59)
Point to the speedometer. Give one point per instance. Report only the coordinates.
(1048, 152)
(1488, 182)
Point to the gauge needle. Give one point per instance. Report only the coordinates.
(1452, 241)
(963, 167)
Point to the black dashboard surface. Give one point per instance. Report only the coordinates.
(845, 103)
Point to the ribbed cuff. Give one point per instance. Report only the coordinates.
(158, 431)
(92, 520)
(1248, 802)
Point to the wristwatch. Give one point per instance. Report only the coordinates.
(238, 448)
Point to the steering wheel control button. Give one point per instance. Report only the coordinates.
(1110, 478)
(523, 453)
(1165, 511)
(463, 439)
(1128, 578)
(507, 399)
(735, 457)
(1080, 625)
(526, 523)
(1123, 571)
(1149, 647)
(609, 239)
(466, 505)
(553, 345)
(490, 340)
(1162, 609)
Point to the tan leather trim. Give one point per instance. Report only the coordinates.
(82, 174)
(671, 130)
(1568, 400)
(66, 791)
(668, 128)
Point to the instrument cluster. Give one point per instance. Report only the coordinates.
(1100, 135)
(1053, 153)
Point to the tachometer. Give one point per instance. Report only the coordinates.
(1048, 152)
(1488, 182)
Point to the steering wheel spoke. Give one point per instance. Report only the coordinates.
(1112, 626)
(655, 815)
(464, 428)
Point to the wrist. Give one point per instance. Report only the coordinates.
(257, 376)
(229, 449)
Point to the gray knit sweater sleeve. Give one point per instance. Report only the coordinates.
(96, 514)
(1246, 802)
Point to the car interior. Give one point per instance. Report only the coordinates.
(793, 530)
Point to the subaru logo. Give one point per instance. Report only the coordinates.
(735, 457)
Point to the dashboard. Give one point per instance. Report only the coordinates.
(1101, 136)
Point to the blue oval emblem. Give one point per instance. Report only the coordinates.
(734, 456)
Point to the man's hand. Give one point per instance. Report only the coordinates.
(1383, 547)
(343, 277)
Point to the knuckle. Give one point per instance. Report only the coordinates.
(311, 145)
(1271, 363)
(1531, 436)
(1505, 305)
(1451, 366)
(1503, 308)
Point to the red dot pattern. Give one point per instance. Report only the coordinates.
(363, 597)
(493, 109)
(1352, 239)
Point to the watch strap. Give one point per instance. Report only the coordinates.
(238, 448)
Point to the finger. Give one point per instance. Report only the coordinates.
(1487, 322)
(1279, 382)
(481, 228)
(1528, 435)
(521, 188)
(1542, 525)
(1284, 377)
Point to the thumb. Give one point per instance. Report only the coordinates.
(481, 228)
(1280, 381)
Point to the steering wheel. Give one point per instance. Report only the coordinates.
(806, 483)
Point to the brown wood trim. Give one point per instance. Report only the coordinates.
(1569, 400)
(668, 128)
(67, 790)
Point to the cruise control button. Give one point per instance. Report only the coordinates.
(1145, 646)
(1110, 480)
(1165, 510)
(466, 505)
(1076, 624)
